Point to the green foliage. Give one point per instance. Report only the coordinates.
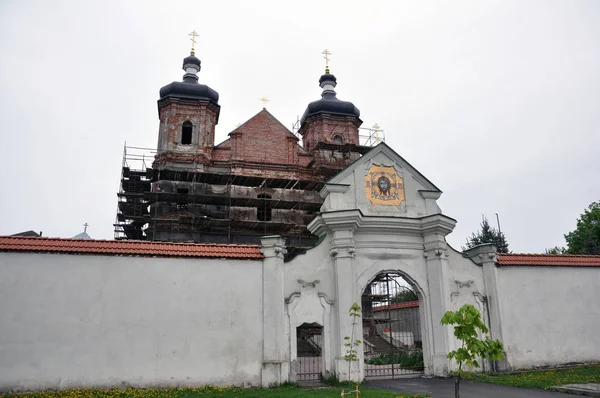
(351, 343)
(488, 234)
(412, 359)
(332, 379)
(467, 324)
(404, 296)
(467, 321)
(585, 239)
(543, 379)
(556, 250)
(289, 384)
(288, 391)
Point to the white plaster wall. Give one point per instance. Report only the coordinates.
(550, 315)
(465, 283)
(76, 320)
(315, 264)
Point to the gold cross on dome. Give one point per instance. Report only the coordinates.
(326, 54)
(264, 101)
(193, 39)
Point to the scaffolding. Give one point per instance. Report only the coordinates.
(216, 205)
(132, 208)
(368, 136)
(372, 136)
(228, 201)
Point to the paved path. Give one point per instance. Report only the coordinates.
(444, 388)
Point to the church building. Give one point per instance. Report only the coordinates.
(262, 180)
(253, 262)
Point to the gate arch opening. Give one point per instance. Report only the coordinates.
(309, 348)
(392, 326)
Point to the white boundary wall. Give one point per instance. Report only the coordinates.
(550, 315)
(86, 320)
(83, 320)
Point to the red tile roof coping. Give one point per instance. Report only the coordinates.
(129, 248)
(397, 306)
(549, 260)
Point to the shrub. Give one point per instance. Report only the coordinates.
(412, 359)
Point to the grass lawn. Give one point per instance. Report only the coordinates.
(213, 392)
(542, 378)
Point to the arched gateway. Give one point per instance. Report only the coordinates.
(392, 336)
(379, 224)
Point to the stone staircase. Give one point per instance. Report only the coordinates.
(381, 346)
(305, 349)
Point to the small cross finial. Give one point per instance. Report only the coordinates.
(193, 39)
(326, 55)
(85, 227)
(377, 130)
(264, 101)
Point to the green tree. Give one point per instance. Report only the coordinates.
(488, 234)
(586, 237)
(351, 343)
(467, 321)
(556, 250)
(404, 296)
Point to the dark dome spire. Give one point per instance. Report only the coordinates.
(329, 103)
(191, 66)
(189, 87)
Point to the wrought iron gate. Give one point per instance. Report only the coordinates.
(392, 340)
(309, 344)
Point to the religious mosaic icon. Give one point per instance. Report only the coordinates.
(383, 186)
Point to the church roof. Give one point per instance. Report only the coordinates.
(264, 121)
(397, 306)
(27, 233)
(545, 260)
(129, 248)
(262, 139)
(189, 90)
(82, 235)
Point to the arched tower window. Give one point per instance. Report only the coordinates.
(337, 139)
(186, 133)
(264, 211)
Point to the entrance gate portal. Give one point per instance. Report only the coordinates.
(393, 344)
(309, 345)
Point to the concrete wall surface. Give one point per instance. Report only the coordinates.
(80, 320)
(549, 315)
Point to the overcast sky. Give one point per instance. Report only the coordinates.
(496, 102)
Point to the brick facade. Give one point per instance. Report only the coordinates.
(260, 181)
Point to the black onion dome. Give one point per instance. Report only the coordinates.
(191, 60)
(329, 103)
(189, 89)
(327, 77)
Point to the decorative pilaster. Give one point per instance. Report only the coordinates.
(340, 227)
(486, 256)
(275, 361)
(431, 198)
(435, 229)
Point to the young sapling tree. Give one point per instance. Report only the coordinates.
(351, 343)
(467, 321)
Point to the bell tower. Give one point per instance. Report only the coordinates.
(329, 120)
(329, 128)
(188, 114)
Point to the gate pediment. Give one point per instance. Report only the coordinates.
(381, 183)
